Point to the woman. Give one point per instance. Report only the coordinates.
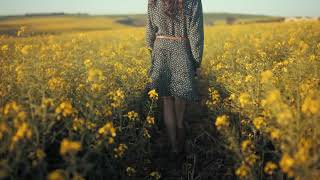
(175, 38)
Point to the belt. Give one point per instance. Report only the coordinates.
(172, 37)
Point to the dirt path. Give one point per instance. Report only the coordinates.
(206, 157)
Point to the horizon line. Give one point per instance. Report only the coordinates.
(123, 14)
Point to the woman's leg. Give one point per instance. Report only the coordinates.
(180, 106)
(170, 121)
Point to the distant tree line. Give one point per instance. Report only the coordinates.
(55, 14)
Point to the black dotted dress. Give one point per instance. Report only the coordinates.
(174, 62)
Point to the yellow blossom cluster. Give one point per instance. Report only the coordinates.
(222, 122)
(56, 83)
(146, 133)
(23, 132)
(214, 98)
(120, 150)
(65, 109)
(68, 146)
(132, 115)
(153, 95)
(150, 120)
(109, 131)
(117, 98)
(259, 122)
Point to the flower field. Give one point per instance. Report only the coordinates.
(74, 105)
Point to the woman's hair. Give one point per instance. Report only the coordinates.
(171, 7)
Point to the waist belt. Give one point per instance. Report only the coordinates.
(171, 37)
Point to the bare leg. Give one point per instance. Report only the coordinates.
(180, 106)
(170, 121)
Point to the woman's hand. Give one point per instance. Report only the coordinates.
(150, 51)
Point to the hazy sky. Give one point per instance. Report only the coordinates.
(267, 7)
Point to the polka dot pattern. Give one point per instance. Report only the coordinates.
(174, 62)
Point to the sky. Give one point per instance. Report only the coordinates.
(266, 7)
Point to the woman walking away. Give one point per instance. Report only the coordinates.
(175, 39)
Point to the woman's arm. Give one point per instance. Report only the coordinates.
(151, 29)
(196, 32)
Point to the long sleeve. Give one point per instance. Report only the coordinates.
(151, 29)
(196, 32)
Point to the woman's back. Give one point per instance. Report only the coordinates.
(188, 24)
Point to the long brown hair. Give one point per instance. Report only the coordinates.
(171, 7)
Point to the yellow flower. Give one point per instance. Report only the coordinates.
(286, 164)
(156, 175)
(270, 167)
(153, 95)
(95, 87)
(88, 63)
(11, 107)
(47, 102)
(146, 133)
(117, 98)
(25, 50)
(242, 171)
(57, 175)
(249, 78)
(232, 97)
(5, 47)
(132, 115)
(110, 140)
(311, 104)
(109, 131)
(108, 111)
(40, 154)
(251, 159)
(23, 131)
(222, 121)
(150, 120)
(259, 122)
(95, 75)
(130, 171)
(68, 146)
(65, 108)
(284, 116)
(266, 76)
(56, 83)
(244, 99)
(214, 98)
(78, 124)
(272, 97)
(275, 134)
(303, 153)
(247, 146)
(119, 151)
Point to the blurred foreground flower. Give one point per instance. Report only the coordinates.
(270, 167)
(68, 146)
(57, 175)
